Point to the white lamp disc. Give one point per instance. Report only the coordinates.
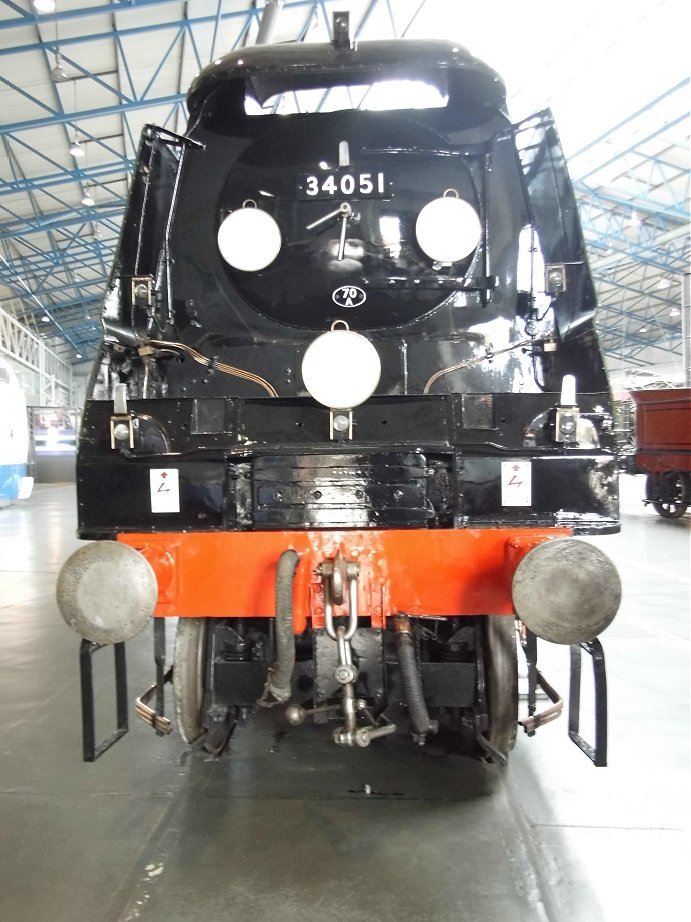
(448, 229)
(249, 239)
(341, 369)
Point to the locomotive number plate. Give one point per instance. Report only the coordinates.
(343, 185)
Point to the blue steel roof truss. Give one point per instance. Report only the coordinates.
(638, 240)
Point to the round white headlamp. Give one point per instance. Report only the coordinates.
(249, 238)
(341, 369)
(448, 228)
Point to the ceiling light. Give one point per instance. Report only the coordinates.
(643, 330)
(76, 148)
(45, 319)
(674, 312)
(87, 199)
(58, 74)
(44, 6)
(79, 355)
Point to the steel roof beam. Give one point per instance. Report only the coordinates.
(642, 302)
(132, 30)
(668, 261)
(85, 301)
(49, 263)
(632, 148)
(19, 219)
(17, 172)
(18, 141)
(637, 203)
(667, 326)
(46, 270)
(634, 341)
(40, 252)
(55, 222)
(630, 344)
(77, 239)
(23, 290)
(617, 235)
(674, 265)
(83, 287)
(29, 17)
(59, 118)
(89, 297)
(48, 180)
(630, 118)
(76, 324)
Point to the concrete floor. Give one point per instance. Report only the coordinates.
(281, 827)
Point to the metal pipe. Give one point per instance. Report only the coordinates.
(278, 684)
(411, 681)
(268, 21)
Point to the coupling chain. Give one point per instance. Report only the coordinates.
(340, 581)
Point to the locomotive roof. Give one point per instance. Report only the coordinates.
(268, 70)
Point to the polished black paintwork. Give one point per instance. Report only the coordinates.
(265, 71)
(555, 212)
(247, 461)
(419, 166)
(440, 468)
(382, 490)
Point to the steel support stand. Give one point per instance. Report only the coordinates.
(597, 753)
(90, 749)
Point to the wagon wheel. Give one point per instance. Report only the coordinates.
(188, 676)
(501, 681)
(213, 727)
(676, 493)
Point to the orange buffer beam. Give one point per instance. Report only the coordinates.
(232, 574)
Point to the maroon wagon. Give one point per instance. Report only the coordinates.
(663, 448)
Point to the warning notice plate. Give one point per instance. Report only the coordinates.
(165, 491)
(516, 483)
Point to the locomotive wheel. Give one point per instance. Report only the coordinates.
(188, 676)
(501, 681)
(676, 492)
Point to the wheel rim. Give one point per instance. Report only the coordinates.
(501, 681)
(670, 510)
(189, 662)
(673, 508)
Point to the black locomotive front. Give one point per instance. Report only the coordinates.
(349, 346)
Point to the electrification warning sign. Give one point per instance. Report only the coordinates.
(516, 483)
(165, 490)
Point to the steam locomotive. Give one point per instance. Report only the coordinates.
(349, 410)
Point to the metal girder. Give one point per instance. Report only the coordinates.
(58, 221)
(632, 186)
(47, 236)
(24, 291)
(25, 17)
(76, 118)
(633, 189)
(635, 315)
(76, 174)
(29, 350)
(247, 16)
